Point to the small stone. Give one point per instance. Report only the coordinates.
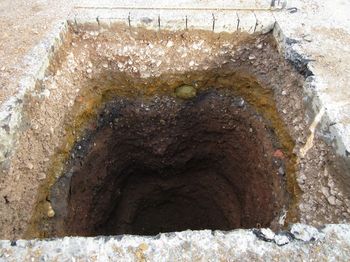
(30, 166)
(41, 176)
(89, 71)
(278, 154)
(268, 233)
(259, 46)
(50, 211)
(191, 63)
(185, 92)
(325, 191)
(331, 200)
(241, 103)
(307, 38)
(304, 232)
(281, 171)
(301, 180)
(338, 202)
(284, 93)
(105, 65)
(251, 57)
(170, 44)
(281, 240)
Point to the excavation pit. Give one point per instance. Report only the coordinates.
(169, 165)
(153, 132)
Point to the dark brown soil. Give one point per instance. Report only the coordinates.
(168, 165)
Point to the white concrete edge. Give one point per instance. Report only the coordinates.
(301, 241)
(183, 5)
(217, 21)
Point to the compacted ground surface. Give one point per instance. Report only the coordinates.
(264, 160)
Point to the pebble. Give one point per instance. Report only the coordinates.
(30, 165)
(89, 70)
(338, 202)
(41, 176)
(301, 179)
(170, 44)
(284, 93)
(281, 240)
(331, 200)
(259, 46)
(268, 233)
(304, 232)
(281, 171)
(185, 92)
(251, 57)
(278, 154)
(325, 191)
(50, 211)
(307, 38)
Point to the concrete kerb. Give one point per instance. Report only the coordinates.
(301, 242)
